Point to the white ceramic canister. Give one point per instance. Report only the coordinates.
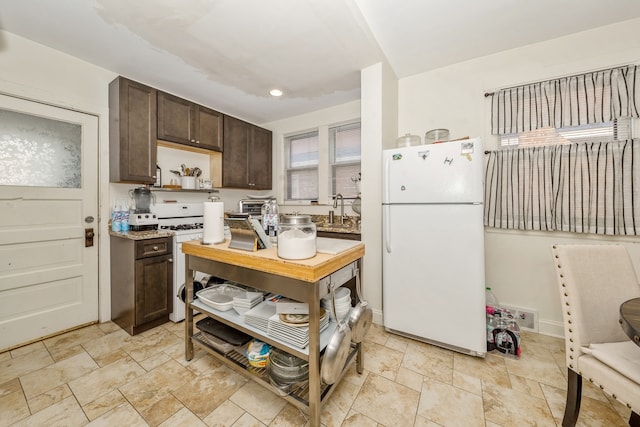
(188, 182)
(296, 237)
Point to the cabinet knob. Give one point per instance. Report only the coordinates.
(155, 248)
(170, 259)
(197, 142)
(193, 140)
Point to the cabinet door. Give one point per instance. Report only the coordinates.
(235, 166)
(175, 119)
(154, 286)
(132, 132)
(260, 158)
(208, 128)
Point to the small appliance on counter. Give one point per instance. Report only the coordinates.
(141, 218)
(253, 207)
(143, 221)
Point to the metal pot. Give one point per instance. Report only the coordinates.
(335, 355)
(361, 316)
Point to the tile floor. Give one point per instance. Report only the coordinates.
(101, 376)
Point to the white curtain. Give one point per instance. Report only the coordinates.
(596, 97)
(583, 188)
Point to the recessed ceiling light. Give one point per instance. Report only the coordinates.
(275, 92)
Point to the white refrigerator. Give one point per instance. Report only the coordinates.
(433, 284)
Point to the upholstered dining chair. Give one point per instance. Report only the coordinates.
(593, 281)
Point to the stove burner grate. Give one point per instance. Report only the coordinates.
(196, 226)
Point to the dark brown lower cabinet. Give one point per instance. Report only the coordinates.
(141, 282)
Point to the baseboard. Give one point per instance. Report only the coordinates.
(551, 328)
(377, 317)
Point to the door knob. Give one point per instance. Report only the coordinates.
(88, 237)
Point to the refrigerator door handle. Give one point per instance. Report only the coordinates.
(386, 197)
(386, 227)
(386, 211)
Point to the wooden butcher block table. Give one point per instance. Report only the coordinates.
(302, 280)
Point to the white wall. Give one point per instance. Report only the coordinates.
(518, 265)
(379, 87)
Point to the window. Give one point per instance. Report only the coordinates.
(39, 151)
(344, 159)
(617, 130)
(567, 158)
(301, 163)
(321, 163)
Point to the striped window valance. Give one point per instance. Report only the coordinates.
(583, 188)
(596, 97)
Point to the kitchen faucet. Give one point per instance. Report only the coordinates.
(335, 205)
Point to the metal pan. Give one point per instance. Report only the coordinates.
(335, 355)
(361, 316)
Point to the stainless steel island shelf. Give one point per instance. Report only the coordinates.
(302, 280)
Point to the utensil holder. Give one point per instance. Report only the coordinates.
(188, 182)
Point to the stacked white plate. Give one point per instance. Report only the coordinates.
(258, 316)
(296, 330)
(245, 302)
(343, 303)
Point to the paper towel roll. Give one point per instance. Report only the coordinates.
(213, 226)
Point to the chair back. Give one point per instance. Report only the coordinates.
(593, 281)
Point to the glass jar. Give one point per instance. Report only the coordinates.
(296, 237)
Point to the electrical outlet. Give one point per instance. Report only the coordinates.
(526, 318)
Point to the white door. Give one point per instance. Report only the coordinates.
(48, 201)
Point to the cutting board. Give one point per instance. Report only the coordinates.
(330, 246)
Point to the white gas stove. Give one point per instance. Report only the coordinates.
(185, 220)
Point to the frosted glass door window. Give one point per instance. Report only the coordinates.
(39, 152)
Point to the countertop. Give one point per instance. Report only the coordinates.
(336, 229)
(267, 260)
(153, 234)
(141, 235)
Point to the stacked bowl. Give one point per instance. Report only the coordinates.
(343, 303)
(246, 301)
(286, 369)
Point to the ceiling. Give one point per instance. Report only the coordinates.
(228, 54)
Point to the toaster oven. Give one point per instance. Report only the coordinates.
(251, 206)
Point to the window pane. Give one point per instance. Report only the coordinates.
(345, 159)
(303, 150)
(302, 166)
(302, 184)
(345, 143)
(344, 182)
(599, 132)
(39, 152)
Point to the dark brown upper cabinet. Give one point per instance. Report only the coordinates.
(247, 158)
(187, 123)
(132, 132)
